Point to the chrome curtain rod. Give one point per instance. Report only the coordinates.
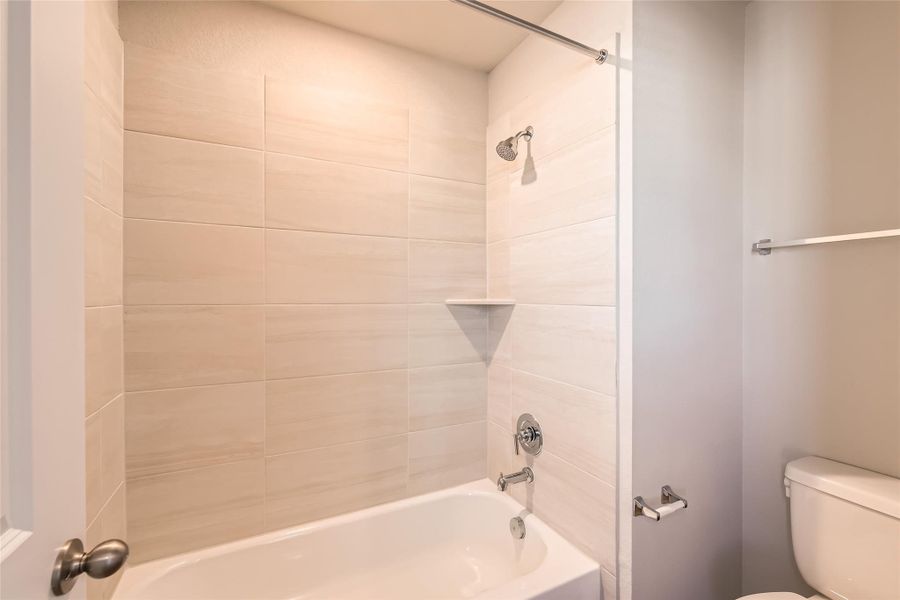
(598, 55)
(765, 247)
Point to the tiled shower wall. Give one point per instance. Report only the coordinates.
(289, 244)
(105, 404)
(551, 233)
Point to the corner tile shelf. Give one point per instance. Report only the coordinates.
(480, 302)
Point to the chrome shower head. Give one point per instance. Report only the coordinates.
(508, 149)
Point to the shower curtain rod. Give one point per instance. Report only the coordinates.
(599, 56)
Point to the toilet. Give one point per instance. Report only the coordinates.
(845, 525)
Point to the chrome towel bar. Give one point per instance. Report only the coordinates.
(671, 502)
(765, 247)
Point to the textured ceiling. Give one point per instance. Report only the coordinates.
(436, 27)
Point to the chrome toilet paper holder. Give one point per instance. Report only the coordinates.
(671, 502)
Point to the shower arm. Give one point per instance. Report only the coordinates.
(599, 56)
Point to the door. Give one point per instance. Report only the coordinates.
(42, 292)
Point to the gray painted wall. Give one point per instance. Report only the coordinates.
(688, 85)
(821, 324)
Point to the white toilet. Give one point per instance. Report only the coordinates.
(845, 524)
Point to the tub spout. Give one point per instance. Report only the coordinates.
(526, 475)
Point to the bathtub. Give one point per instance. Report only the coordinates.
(454, 543)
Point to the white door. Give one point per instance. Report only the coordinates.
(43, 292)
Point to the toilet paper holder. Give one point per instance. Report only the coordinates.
(671, 502)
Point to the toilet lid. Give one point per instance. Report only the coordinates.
(773, 596)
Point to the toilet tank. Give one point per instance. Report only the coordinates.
(845, 524)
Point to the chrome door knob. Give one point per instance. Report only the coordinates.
(102, 561)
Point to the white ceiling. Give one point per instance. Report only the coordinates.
(436, 27)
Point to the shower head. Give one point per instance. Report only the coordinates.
(508, 149)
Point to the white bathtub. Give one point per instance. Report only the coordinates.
(453, 543)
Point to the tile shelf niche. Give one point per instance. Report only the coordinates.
(480, 302)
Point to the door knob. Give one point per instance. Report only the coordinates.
(102, 561)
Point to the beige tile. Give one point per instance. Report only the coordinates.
(444, 335)
(103, 155)
(498, 280)
(312, 412)
(102, 356)
(499, 396)
(331, 339)
(576, 504)
(109, 524)
(574, 185)
(318, 195)
(581, 423)
(167, 95)
(442, 270)
(500, 335)
(172, 179)
(442, 458)
(103, 57)
(583, 103)
(177, 346)
(608, 582)
(310, 267)
(304, 486)
(497, 130)
(442, 209)
(169, 430)
(497, 209)
(102, 255)
(188, 263)
(104, 455)
(445, 145)
(447, 395)
(176, 512)
(500, 453)
(570, 265)
(317, 123)
(572, 344)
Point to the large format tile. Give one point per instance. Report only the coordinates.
(442, 270)
(445, 145)
(318, 195)
(187, 263)
(172, 179)
(104, 57)
(304, 486)
(109, 524)
(104, 455)
(500, 455)
(572, 344)
(445, 335)
(169, 430)
(581, 423)
(576, 504)
(169, 96)
(176, 512)
(446, 395)
(331, 339)
(317, 123)
(103, 347)
(442, 458)
(443, 209)
(312, 412)
(499, 284)
(499, 396)
(177, 346)
(102, 255)
(309, 267)
(103, 151)
(571, 265)
(582, 103)
(573, 185)
(497, 209)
